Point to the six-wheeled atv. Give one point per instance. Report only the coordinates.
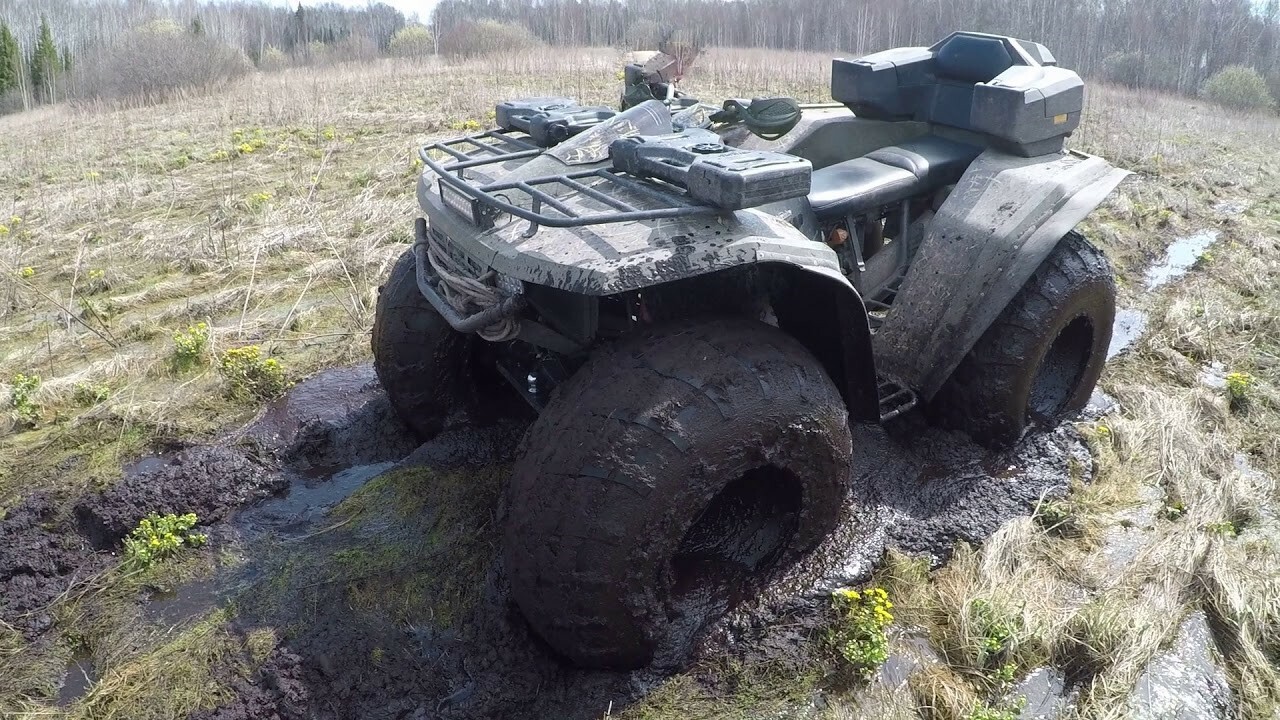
(698, 314)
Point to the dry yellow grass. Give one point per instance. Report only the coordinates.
(271, 212)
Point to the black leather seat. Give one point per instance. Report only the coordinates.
(888, 175)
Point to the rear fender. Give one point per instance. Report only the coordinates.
(1000, 222)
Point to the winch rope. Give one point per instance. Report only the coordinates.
(462, 291)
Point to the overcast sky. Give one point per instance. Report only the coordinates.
(408, 7)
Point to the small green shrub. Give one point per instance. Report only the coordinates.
(1002, 711)
(190, 347)
(1125, 68)
(257, 201)
(1059, 518)
(858, 634)
(158, 537)
(1225, 528)
(486, 37)
(995, 632)
(1240, 388)
(272, 59)
(468, 125)
(22, 398)
(90, 394)
(1240, 87)
(1005, 674)
(1174, 510)
(411, 41)
(250, 376)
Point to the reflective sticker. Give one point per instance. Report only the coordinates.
(1059, 119)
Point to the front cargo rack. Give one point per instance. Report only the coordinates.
(486, 202)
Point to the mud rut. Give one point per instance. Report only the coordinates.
(266, 490)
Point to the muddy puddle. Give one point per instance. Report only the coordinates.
(80, 676)
(389, 601)
(1179, 258)
(374, 560)
(1181, 255)
(1129, 327)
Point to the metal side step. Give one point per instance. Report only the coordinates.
(878, 309)
(894, 399)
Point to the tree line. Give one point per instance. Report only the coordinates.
(59, 49)
(34, 73)
(52, 49)
(1166, 44)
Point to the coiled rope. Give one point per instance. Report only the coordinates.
(462, 291)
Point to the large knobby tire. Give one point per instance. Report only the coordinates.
(426, 367)
(674, 471)
(1041, 359)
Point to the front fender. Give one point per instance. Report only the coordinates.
(1000, 222)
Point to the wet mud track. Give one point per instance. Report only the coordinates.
(373, 559)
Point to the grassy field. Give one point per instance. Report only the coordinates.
(271, 211)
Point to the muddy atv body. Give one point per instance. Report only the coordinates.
(698, 314)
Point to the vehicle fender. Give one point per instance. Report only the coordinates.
(820, 308)
(999, 223)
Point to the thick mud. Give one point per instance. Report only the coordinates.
(375, 560)
(919, 490)
(39, 559)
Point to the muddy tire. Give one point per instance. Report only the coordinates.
(424, 365)
(1042, 357)
(674, 471)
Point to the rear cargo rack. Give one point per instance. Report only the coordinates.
(486, 201)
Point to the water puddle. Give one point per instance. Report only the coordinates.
(1100, 405)
(145, 465)
(80, 676)
(1187, 681)
(1214, 376)
(1129, 326)
(1043, 694)
(292, 514)
(1180, 257)
(305, 504)
(183, 603)
(1229, 208)
(1000, 468)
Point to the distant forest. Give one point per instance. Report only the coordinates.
(1167, 44)
(252, 26)
(51, 50)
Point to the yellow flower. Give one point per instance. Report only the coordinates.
(4, 230)
(15, 220)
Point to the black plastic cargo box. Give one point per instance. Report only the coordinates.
(550, 121)
(714, 174)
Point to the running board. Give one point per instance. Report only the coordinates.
(894, 399)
